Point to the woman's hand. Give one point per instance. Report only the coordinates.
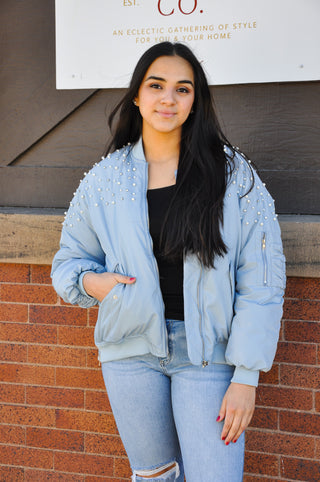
(236, 410)
(99, 285)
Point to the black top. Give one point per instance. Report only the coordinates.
(170, 272)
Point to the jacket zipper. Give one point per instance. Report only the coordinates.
(204, 362)
(264, 258)
(150, 239)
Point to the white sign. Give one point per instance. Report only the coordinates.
(98, 42)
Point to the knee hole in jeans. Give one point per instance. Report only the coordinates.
(160, 473)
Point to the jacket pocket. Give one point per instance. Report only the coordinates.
(273, 262)
(264, 259)
(107, 327)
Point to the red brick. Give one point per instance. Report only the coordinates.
(317, 400)
(10, 352)
(303, 288)
(265, 418)
(317, 455)
(20, 293)
(11, 474)
(12, 393)
(122, 467)
(27, 374)
(83, 463)
(10, 434)
(281, 335)
(85, 421)
(279, 443)
(104, 444)
(253, 478)
(304, 353)
(79, 378)
(97, 400)
(301, 310)
(28, 333)
(32, 475)
(271, 377)
(22, 456)
(56, 355)
(93, 315)
(76, 336)
(40, 274)
(258, 463)
(62, 302)
(55, 397)
(58, 315)
(92, 358)
(12, 312)
(302, 331)
(297, 422)
(14, 273)
(55, 439)
(300, 469)
(24, 415)
(284, 397)
(300, 376)
(93, 478)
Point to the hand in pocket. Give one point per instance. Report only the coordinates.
(99, 285)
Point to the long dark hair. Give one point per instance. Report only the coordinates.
(195, 215)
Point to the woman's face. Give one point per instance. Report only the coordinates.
(166, 95)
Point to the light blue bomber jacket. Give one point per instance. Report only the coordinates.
(232, 311)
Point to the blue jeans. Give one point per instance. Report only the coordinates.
(166, 410)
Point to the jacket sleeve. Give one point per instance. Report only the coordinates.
(80, 251)
(260, 282)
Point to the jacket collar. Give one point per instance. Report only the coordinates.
(138, 152)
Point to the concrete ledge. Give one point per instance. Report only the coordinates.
(31, 236)
(301, 242)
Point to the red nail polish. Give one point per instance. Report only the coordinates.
(131, 279)
(235, 441)
(218, 418)
(223, 438)
(227, 443)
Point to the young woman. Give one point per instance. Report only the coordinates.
(176, 237)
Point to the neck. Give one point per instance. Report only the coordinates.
(162, 155)
(161, 148)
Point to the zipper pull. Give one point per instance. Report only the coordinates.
(264, 258)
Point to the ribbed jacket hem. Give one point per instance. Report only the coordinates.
(135, 346)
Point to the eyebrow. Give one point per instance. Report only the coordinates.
(153, 77)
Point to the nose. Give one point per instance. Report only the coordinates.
(168, 96)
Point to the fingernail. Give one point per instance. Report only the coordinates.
(131, 279)
(227, 443)
(218, 418)
(223, 438)
(235, 441)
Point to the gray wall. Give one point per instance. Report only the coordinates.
(49, 138)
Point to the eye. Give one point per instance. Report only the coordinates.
(183, 90)
(155, 86)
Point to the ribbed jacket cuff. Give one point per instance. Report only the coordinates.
(80, 283)
(245, 376)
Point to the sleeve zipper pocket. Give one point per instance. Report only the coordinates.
(264, 258)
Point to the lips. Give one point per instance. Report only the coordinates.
(166, 114)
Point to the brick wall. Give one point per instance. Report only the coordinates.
(55, 419)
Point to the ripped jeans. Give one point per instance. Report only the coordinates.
(166, 410)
